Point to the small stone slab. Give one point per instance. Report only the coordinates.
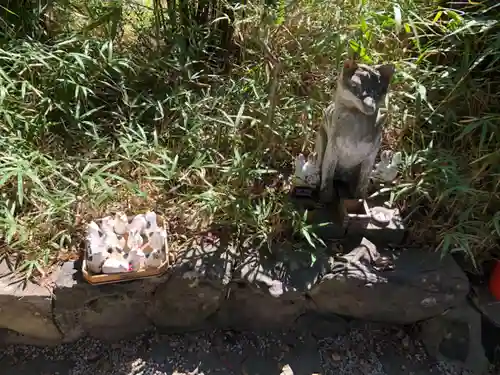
(420, 286)
(26, 309)
(487, 304)
(455, 337)
(196, 287)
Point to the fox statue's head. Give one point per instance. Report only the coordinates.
(363, 86)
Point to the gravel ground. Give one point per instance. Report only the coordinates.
(362, 349)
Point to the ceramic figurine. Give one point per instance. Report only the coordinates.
(119, 246)
(121, 223)
(136, 259)
(94, 234)
(113, 265)
(107, 225)
(138, 224)
(112, 241)
(134, 241)
(306, 172)
(97, 248)
(95, 261)
(152, 225)
(387, 169)
(157, 240)
(155, 259)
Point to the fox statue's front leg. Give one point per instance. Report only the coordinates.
(326, 155)
(320, 146)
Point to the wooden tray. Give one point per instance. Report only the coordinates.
(108, 278)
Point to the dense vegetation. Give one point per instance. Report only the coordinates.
(196, 109)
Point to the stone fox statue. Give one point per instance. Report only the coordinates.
(350, 136)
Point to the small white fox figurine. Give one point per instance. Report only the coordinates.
(387, 169)
(306, 172)
(97, 250)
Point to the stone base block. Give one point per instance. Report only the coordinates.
(455, 336)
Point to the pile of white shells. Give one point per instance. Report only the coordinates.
(119, 245)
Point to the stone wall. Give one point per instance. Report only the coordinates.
(214, 286)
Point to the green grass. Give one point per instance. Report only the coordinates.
(121, 106)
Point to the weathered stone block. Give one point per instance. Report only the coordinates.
(26, 309)
(420, 286)
(195, 289)
(108, 312)
(267, 292)
(394, 232)
(489, 306)
(455, 336)
(485, 302)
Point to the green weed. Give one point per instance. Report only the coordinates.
(130, 105)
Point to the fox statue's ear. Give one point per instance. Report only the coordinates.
(350, 64)
(352, 58)
(386, 71)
